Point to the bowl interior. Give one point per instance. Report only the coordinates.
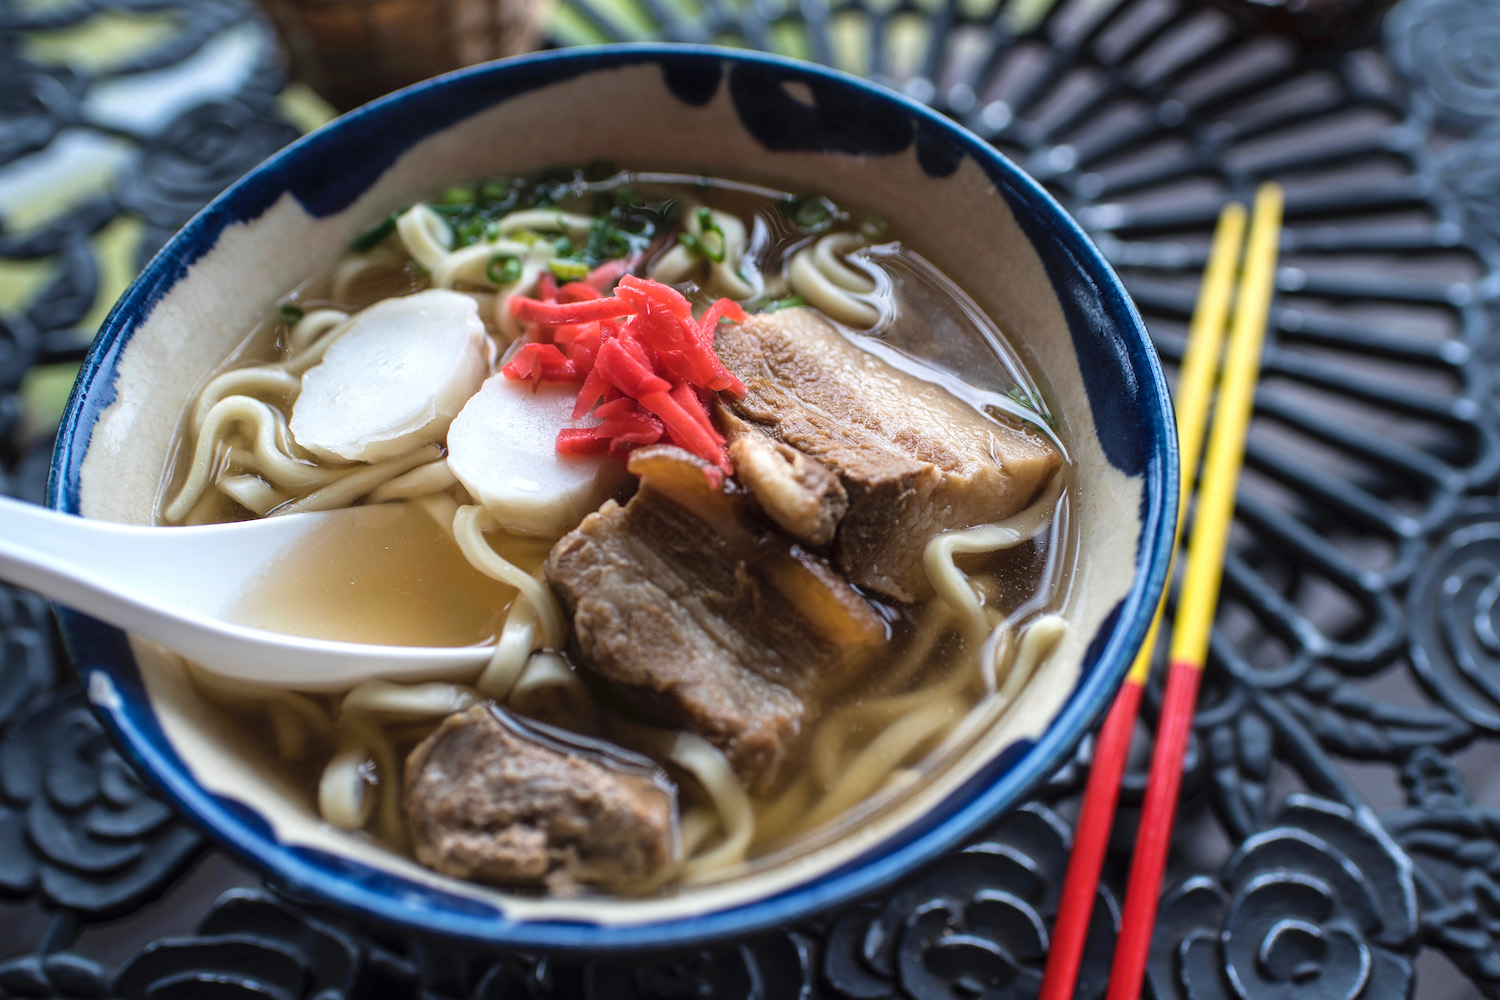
(742, 117)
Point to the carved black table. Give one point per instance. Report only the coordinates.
(1340, 832)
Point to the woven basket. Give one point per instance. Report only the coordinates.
(353, 51)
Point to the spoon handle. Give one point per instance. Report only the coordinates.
(175, 585)
(125, 573)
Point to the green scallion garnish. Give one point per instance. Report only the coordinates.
(787, 303)
(470, 230)
(713, 243)
(458, 196)
(709, 242)
(814, 214)
(503, 270)
(291, 313)
(614, 245)
(568, 269)
(605, 243)
(372, 238)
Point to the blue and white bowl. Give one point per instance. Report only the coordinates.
(723, 113)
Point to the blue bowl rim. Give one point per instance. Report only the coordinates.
(877, 867)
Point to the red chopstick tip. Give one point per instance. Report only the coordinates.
(1154, 837)
(1075, 908)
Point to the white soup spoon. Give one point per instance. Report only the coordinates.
(175, 586)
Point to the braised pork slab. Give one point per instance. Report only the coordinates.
(913, 459)
(707, 617)
(494, 799)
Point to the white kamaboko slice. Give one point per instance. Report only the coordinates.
(394, 380)
(503, 448)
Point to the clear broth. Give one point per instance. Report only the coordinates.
(406, 585)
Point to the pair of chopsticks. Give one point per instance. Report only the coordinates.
(1195, 612)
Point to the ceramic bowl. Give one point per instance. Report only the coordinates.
(789, 125)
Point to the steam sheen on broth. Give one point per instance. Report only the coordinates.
(453, 572)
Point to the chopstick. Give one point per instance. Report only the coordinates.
(1195, 384)
(1200, 595)
(1200, 591)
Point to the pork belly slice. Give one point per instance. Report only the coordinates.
(705, 617)
(913, 458)
(492, 798)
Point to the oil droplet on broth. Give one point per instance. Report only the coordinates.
(403, 585)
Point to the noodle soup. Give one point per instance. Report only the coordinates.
(851, 494)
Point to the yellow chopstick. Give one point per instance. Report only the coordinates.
(1195, 387)
(1200, 594)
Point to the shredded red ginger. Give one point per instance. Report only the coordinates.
(643, 365)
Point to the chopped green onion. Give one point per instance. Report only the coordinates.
(568, 269)
(713, 243)
(564, 247)
(372, 238)
(458, 196)
(494, 191)
(787, 303)
(605, 243)
(709, 242)
(291, 313)
(598, 234)
(470, 230)
(503, 270)
(814, 214)
(525, 237)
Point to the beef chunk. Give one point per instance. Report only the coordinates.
(494, 799)
(798, 492)
(913, 458)
(707, 618)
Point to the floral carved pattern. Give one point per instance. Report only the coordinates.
(76, 826)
